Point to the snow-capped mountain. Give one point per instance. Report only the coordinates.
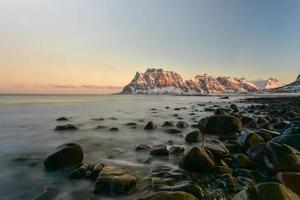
(158, 81)
(293, 87)
(269, 83)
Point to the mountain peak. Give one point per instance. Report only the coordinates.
(158, 81)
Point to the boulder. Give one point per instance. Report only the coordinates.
(159, 150)
(169, 196)
(194, 137)
(291, 140)
(66, 155)
(113, 180)
(197, 160)
(291, 180)
(216, 147)
(182, 124)
(266, 191)
(281, 157)
(249, 139)
(66, 127)
(219, 125)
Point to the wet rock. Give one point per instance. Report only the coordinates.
(100, 127)
(62, 119)
(262, 120)
(246, 120)
(267, 126)
(234, 107)
(182, 124)
(113, 180)
(223, 170)
(114, 129)
(176, 150)
(98, 119)
(216, 147)
(66, 127)
(291, 140)
(245, 173)
(270, 132)
(256, 152)
(281, 157)
(249, 139)
(225, 97)
(173, 131)
(220, 125)
(150, 126)
(220, 111)
(169, 196)
(228, 182)
(241, 161)
(142, 147)
(280, 125)
(232, 145)
(167, 123)
(131, 124)
(66, 155)
(194, 137)
(266, 191)
(84, 171)
(159, 150)
(291, 180)
(197, 160)
(188, 187)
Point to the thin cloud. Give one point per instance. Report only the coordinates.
(99, 87)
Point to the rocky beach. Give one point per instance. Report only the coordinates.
(225, 148)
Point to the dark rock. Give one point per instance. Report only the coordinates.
(173, 131)
(216, 147)
(159, 150)
(194, 137)
(176, 150)
(225, 97)
(266, 191)
(131, 124)
(169, 196)
(249, 139)
(182, 124)
(167, 123)
(100, 127)
(256, 152)
(62, 119)
(281, 157)
(246, 120)
(98, 119)
(234, 107)
(66, 155)
(291, 140)
(113, 129)
(142, 147)
(113, 180)
(241, 161)
(280, 125)
(67, 127)
(220, 111)
(197, 160)
(188, 187)
(220, 125)
(150, 126)
(267, 126)
(291, 180)
(228, 182)
(262, 120)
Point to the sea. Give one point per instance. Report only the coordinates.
(27, 136)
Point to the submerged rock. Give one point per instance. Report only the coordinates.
(219, 125)
(113, 180)
(197, 160)
(66, 155)
(62, 119)
(66, 127)
(182, 124)
(172, 131)
(150, 126)
(159, 150)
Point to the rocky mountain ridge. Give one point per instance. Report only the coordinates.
(159, 81)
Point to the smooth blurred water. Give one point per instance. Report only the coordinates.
(27, 125)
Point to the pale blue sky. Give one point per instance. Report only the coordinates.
(104, 42)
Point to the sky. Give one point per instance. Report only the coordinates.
(96, 46)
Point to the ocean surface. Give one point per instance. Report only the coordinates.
(27, 136)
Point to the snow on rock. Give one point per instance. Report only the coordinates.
(293, 87)
(158, 81)
(269, 83)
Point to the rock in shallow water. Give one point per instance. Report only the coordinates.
(182, 124)
(290, 180)
(216, 147)
(113, 180)
(150, 126)
(159, 150)
(67, 127)
(249, 139)
(197, 160)
(220, 125)
(66, 155)
(194, 137)
(291, 140)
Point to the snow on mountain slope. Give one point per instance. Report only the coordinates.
(269, 83)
